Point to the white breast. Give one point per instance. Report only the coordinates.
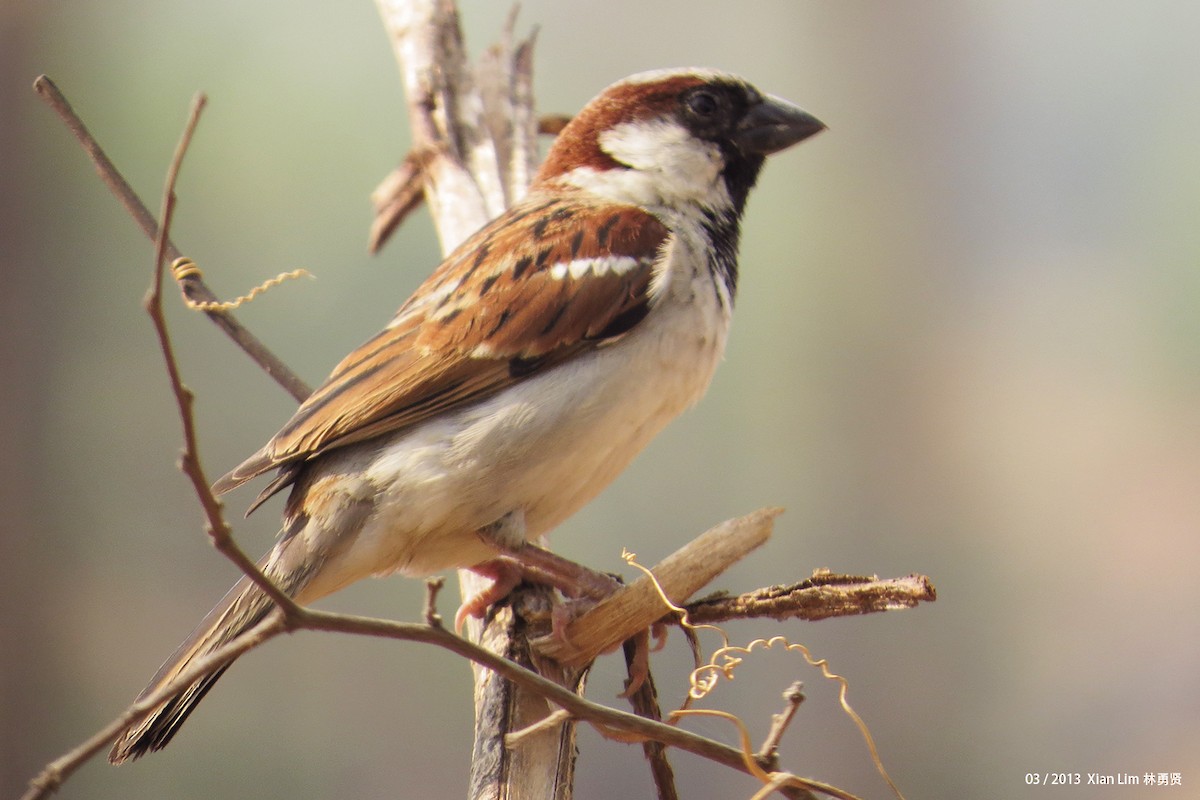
(546, 447)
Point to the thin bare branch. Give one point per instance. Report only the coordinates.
(193, 288)
(218, 530)
(56, 772)
(432, 587)
(794, 696)
(644, 700)
(632, 726)
(636, 727)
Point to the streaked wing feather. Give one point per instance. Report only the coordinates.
(464, 336)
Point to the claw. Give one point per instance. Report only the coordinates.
(520, 560)
(505, 575)
(507, 536)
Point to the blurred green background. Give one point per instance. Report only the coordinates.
(967, 344)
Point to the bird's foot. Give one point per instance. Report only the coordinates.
(520, 560)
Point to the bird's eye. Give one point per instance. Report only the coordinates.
(703, 103)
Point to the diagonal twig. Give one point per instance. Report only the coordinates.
(193, 287)
(605, 718)
(61, 768)
(57, 771)
(769, 752)
(218, 530)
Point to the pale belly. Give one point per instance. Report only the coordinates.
(545, 450)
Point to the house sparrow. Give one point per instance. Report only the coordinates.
(528, 370)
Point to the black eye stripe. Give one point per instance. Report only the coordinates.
(711, 111)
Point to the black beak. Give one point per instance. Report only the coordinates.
(773, 125)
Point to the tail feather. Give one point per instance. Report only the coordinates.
(243, 607)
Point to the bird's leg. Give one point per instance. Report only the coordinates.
(507, 535)
(505, 575)
(520, 560)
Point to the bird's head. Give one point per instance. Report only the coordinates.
(673, 138)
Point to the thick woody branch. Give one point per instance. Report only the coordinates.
(461, 186)
(693, 566)
(474, 132)
(403, 190)
(678, 577)
(473, 153)
(822, 596)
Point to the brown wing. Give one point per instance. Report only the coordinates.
(540, 283)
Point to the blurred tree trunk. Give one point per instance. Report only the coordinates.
(473, 153)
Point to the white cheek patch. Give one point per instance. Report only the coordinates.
(643, 145)
(666, 162)
(618, 265)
